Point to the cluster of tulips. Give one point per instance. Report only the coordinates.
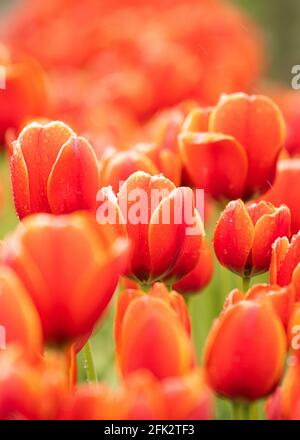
(61, 267)
(152, 118)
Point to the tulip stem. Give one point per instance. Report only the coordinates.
(243, 411)
(89, 364)
(245, 283)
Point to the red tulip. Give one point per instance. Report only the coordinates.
(245, 351)
(94, 402)
(144, 318)
(282, 299)
(31, 391)
(188, 397)
(201, 275)
(24, 93)
(18, 316)
(244, 235)
(215, 162)
(69, 266)
(163, 226)
(257, 124)
(287, 177)
(284, 267)
(52, 170)
(284, 404)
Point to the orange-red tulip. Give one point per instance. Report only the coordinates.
(286, 190)
(19, 318)
(163, 226)
(284, 404)
(94, 402)
(24, 92)
(152, 332)
(244, 235)
(69, 266)
(245, 351)
(52, 170)
(201, 275)
(31, 391)
(257, 124)
(215, 162)
(284, 267)
(188, 397)
(281, 299)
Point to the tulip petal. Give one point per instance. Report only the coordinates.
(20, 182)
(215, 162)
(73, 181)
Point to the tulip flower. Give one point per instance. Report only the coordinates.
(244, 235)
(19, 318)
(117, 166)
(33, 391)
(215, 162)
(188, 397)
(245, 351)
(284, 404)
(94, 402)
(201, 275)
(281, 299)
(258, 125)
(52, 170)
(144, 318)
(69, 266)
(163, 226)
(287, 177)
(284, 267)
(24, 91)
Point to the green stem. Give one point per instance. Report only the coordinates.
(245, 284)
(89, 364)
(244, 410)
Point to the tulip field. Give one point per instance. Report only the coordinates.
(149, 214)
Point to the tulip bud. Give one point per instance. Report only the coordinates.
(70, 267)
(244, 235)
(284, 267)
(245, 351)
(18, 316)
(258, 125)
(163, 226)
(144, 318)
(287, 177)
(52, 170)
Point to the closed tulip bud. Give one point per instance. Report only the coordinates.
(19, 319)
(70, 267)
(31, 391)
(163, 226)
(244, 235)
(245, 351)
(287, 177)
(284, 404)
(188, 397)
(52, 170)
(285, 267)
(200, 276)
(258, 125)
(142, 318)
